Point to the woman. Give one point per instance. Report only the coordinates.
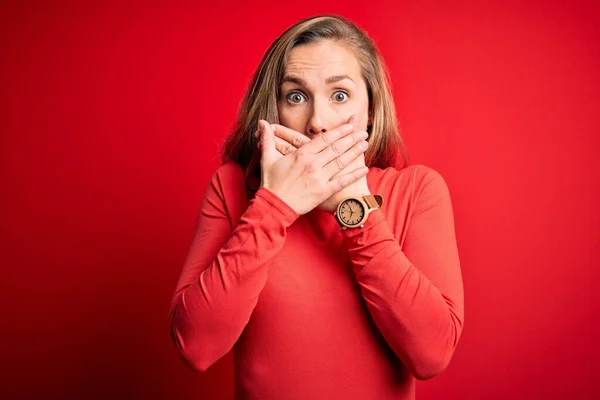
(327, 265)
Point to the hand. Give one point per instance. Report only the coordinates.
(307, 177)
(288, 141)
(355, 189)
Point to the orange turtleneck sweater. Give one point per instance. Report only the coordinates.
(315, 312)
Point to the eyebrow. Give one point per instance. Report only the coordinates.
(302, 82)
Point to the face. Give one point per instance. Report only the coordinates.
(322, 88)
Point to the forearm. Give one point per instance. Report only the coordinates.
(211, 309)
(418, 321)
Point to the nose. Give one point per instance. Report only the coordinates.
(314, 127)
(316, 123)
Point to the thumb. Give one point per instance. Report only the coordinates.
(267, 140)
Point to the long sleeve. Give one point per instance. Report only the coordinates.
(224, 272)
(415, 292)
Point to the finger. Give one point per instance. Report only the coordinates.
(340, 146)
(267, 141)
(341, 162)
(257, 132)
(337, 184)
(356, 163)
(257, 137)
(295, 138)
(284, 147)
(325, 139)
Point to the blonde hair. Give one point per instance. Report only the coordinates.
(386, 147)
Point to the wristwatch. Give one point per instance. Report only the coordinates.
(352, 212)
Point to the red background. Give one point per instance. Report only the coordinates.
(110, 121)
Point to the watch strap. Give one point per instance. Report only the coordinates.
(373, 200)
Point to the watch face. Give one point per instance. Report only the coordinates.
(351, 212)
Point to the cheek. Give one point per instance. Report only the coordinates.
(360, 109)
(291, 118)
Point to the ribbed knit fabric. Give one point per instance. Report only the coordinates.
(315, 312)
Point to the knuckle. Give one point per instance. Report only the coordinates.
(311, 167)
(334, 147)
(340, 163)
(297, 141)
(363, 134)
(325, 139)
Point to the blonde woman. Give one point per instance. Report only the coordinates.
(321, 258)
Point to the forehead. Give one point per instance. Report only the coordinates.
(322, 59)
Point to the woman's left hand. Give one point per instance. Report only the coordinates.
(288, 140)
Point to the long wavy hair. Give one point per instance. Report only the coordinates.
(386, 147)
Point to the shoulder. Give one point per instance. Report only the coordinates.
(228, 177)
(226, 183)
(421, 185)
(226, 191)
(416, 177)
(229, 171)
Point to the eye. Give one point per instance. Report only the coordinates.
(340, 96)
(295, 97)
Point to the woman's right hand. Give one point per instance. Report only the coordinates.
(302, 178)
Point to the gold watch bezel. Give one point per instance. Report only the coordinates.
(359, 224)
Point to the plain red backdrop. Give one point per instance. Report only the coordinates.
(110, 121)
